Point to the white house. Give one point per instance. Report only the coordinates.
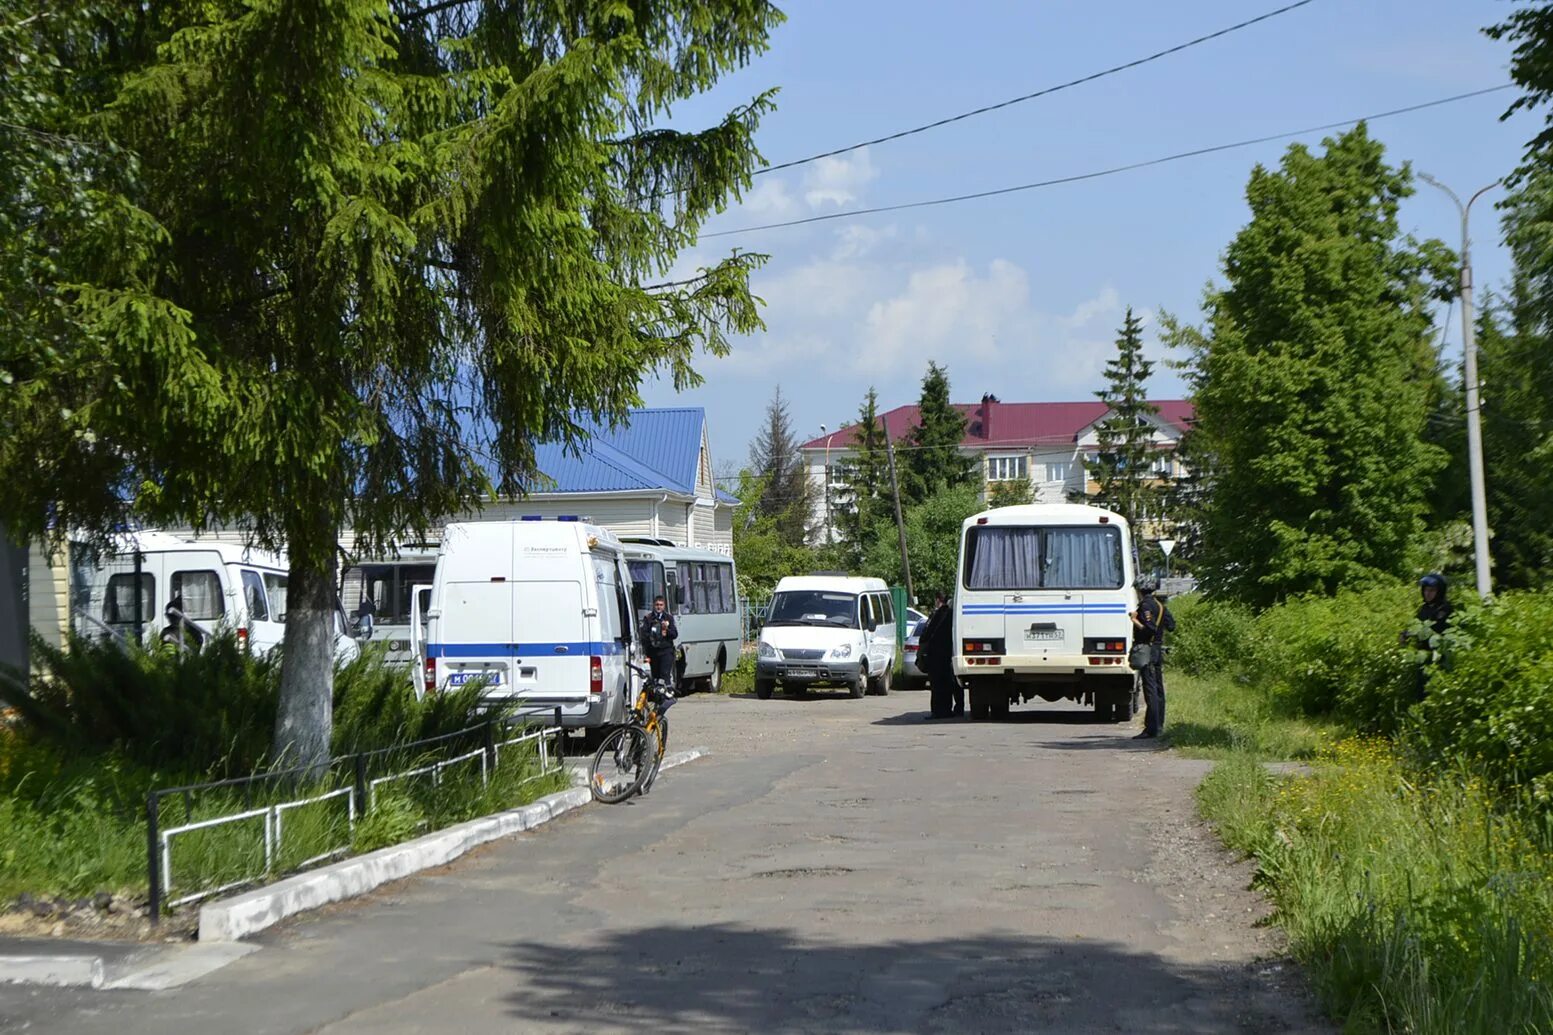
(1047, 443)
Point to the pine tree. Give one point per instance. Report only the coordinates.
(865, 502)
(1312, 381)
(1123, 462)
(787, 499)
(934, 462)
(359, 257)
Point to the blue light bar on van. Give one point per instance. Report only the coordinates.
(531, 517)
(568, 517)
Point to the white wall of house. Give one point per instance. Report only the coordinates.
(48, 594)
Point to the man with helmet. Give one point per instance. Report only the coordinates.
(1150, 623)
(1434, 614)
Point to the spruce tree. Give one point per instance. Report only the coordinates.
(933, 462)
(1312, 380)
(352, 259)
(864, 503)
(1122, 468)
(787, 499)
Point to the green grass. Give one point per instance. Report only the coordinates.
(1416, 907)
(1218, 717)
(741, 678)
(83, 830)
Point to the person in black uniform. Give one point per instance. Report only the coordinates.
(658, 635)
(1435, 613)
(1150, 623)
(935, 652)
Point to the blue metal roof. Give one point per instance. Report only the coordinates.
(659, 449)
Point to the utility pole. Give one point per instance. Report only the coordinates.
(1474, 399)
(900, 523)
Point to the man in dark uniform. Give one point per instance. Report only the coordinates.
(1150, 623)
(935, 652)
(1435, 614)
(658, 635)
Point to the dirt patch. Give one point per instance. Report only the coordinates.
(102, 917)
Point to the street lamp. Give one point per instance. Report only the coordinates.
(1474, 404)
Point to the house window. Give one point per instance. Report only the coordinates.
(1059, 472)
(1163, 466)
(1006, 468)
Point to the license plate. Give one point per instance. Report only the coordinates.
(1043, 634)
(490, 676)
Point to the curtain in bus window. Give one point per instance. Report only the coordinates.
(714, 590)
(119, 606)
(1004, 558)
(698, 589)
(725, 580)
(275, 586)
(201, 592)
(1083, 558)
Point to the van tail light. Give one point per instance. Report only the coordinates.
(595, 675)
(430, 673)
(242, 637)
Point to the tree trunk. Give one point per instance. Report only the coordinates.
(305, 718)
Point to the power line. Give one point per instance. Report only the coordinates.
(1039, 93)
(1129, 167)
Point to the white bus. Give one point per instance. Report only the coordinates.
(702, 591)
(389, 584)
(1042, 609)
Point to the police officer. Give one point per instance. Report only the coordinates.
(935, 651)
(1434, 613)
(1150, 623)
(658, 635)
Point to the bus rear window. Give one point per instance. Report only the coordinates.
(1014, 557)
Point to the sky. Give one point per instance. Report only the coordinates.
(1021, 295)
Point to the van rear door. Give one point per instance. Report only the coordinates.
(551, 644)
(480, 619)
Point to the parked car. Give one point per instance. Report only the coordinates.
(912, 675)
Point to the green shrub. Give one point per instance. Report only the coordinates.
(375, 706)
(209, 712)
(1211, 637)
(1340, 655)
(1490, 701)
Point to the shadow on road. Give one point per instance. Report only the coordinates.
(672, 978)
(1030, 717)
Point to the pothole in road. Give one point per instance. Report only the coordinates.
(807, 871)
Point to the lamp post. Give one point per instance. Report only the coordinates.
(1474, 403)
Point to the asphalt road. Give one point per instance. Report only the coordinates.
(836, 865)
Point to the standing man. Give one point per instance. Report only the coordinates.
(935, 652)
(658, 635)
(1150, 622)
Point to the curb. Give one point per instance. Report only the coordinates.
(230, 919)
(54, 971)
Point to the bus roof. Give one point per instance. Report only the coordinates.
(1046, 514)
(639, 549)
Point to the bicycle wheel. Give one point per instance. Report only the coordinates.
(659, 750)
(621, 764)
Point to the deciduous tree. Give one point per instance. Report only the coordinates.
(1312, 380)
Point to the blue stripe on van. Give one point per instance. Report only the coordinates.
(1045, 609)
(579, 648)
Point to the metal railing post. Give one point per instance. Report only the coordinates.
(154, 855)
(560, 735)
(490, 745)
(359, 778)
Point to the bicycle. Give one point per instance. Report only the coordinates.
(628, 761)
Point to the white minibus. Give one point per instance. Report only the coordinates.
(187, 591)
(539, 611)
(1042, 609)
(700, 587)
(827, 630)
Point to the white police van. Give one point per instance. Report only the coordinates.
(538, 610)
(1042, 609)
(827, 630)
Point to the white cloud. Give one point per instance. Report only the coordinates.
(949, 307)
(838, 181)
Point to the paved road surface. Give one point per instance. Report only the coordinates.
(835, 866)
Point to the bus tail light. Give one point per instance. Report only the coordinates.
(595, 675)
